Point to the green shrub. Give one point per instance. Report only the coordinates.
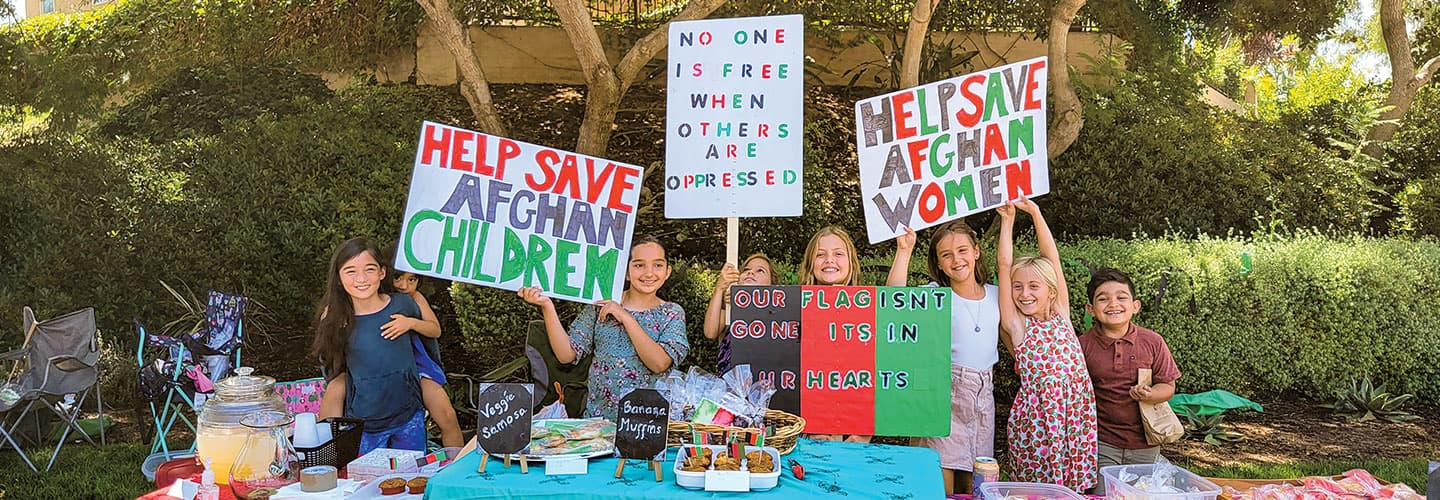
(1309, 314)
(1419, 207)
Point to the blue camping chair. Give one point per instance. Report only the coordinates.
(212, 349)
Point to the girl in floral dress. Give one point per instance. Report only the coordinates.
(1052, 428)
(635, 340)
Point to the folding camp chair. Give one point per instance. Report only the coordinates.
(57, 369)
(208, 353)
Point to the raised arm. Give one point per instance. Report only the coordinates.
(715, 312)
(1010, 318)
(1046, 240)
(900, 267)
(559, 339)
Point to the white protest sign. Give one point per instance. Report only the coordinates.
(951, 148)
(507, 214)
(734, 129)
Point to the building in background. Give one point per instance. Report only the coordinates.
(41, 7)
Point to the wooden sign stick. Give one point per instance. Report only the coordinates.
(485, 457)
(620, 468)
(524, 465)
(507, 461)
(659, 473)
(732, 249)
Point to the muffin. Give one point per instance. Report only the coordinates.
(760, 462)
(725, 462)
(417, 485)
(392, 486)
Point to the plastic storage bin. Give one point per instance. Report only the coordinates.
(1190, 485)
(758, 481)
(1026, 491)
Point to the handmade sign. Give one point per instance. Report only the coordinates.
(502, 423)
(642, 422)
(734, 128)
(851, 360)
(502, 213)
(951, 148)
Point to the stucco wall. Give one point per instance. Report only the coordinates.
(537, 54)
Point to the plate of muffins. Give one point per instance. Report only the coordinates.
(395, 487)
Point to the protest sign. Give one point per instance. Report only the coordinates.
(502, 213)
(851, 360)
(502, 423)
(733, 122)
(951, 148)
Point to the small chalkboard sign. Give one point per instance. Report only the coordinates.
(502, 425)
(644, 420)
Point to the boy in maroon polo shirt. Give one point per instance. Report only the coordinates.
(1115, 350)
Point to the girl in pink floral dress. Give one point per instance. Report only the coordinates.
(1052, 424)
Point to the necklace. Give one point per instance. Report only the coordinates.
(972, 312)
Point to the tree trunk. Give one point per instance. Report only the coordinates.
(607, 85)
(1405, 80)
(473, 84)
(1065, 128)
(915, 42)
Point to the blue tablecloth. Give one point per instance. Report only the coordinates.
(832, 469)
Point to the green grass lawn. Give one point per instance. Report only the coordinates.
(113, 471)
(81, 471)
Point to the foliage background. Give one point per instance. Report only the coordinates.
(186, 142)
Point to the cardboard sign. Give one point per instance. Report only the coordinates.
(502, 424)
(851, 360)
(947, 149)
(641, 424)
(502, 213)
(734, 118)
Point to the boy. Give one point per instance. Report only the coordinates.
(1115, 350)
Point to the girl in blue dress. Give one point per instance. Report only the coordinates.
(366, 335)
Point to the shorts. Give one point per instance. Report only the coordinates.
(407, 436)
(972, 420)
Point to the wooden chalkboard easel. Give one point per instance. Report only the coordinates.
(512, 403)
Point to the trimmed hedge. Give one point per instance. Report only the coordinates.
(1310, 314)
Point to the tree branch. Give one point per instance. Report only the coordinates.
(1405, 81)
(473, 84)
(1069, 116)
(915, 42)
(648, 47)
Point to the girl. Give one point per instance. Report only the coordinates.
(831, 260)
(956, 262)
(635, 340)
(427, 354)
(1052, 423)
(355, 330)
(758, 270)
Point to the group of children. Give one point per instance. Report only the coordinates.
(1077, 408)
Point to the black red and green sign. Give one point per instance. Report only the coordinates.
(851, 360)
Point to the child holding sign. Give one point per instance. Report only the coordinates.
(955, 261)
(831, 260)
(758, 270)
(1052, 429)
(635, 340)
(427, 365)
(356, 333)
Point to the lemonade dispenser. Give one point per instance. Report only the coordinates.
(220, 436)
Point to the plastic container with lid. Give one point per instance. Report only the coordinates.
(1026, 491)
(1128, 482)
(219, 435)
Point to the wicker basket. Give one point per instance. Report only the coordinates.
(787, 429)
